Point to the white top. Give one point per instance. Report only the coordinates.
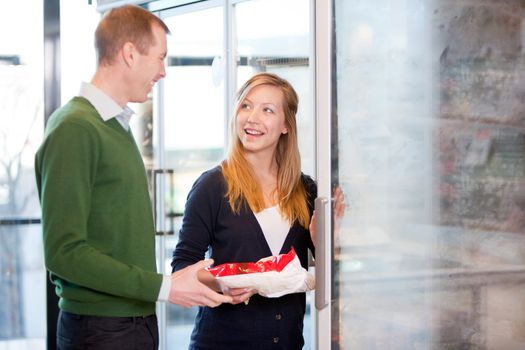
(274, 226)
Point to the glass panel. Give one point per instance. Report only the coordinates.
(78, 21)
(194, 126)
(284, 48)
(430, 142)
(22, 275)
(193, 105)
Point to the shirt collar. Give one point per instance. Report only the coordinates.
(105, 105)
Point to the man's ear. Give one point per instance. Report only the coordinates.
(128, 53)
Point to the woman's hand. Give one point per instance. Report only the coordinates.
(339, 203)
(338, 209)
(239, 295)
(312, 227)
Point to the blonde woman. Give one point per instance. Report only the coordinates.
(257, 203)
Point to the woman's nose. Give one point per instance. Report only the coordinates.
(252, 116)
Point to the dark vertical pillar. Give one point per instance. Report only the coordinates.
(336, 295)
(51, 56)
(51, 102)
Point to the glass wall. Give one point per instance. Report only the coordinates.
(78, 21)
(22, 275)
(267, 38)
(430, 151)
(192, 129)
(193, 95)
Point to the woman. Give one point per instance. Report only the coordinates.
(255, 204)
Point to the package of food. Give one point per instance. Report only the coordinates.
(272, 277)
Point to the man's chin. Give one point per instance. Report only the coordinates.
(140, 99)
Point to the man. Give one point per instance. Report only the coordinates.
(96, 212)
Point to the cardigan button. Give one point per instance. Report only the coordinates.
(276, 339)
(278, 317)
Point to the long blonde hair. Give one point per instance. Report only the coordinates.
(242, 185)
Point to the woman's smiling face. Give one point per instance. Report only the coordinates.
(261, 119)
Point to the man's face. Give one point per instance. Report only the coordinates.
(149, 68)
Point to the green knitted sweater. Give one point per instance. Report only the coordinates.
(99, 240)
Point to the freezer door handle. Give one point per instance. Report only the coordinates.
(322, 255)
(159, 208)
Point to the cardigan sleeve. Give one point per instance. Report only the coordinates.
(311, 192)
(198, 223)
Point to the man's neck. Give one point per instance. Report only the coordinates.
(108, 80)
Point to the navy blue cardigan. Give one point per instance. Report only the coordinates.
(265, 323)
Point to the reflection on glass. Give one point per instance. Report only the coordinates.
(431, 156)
(22, 275)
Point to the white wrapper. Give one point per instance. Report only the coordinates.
(293, 278)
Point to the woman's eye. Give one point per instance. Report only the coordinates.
(245, 106)
(269, 110)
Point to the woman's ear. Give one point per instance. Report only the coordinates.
(285, 131)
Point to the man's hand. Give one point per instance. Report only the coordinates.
(187, 290)
(239, 295)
